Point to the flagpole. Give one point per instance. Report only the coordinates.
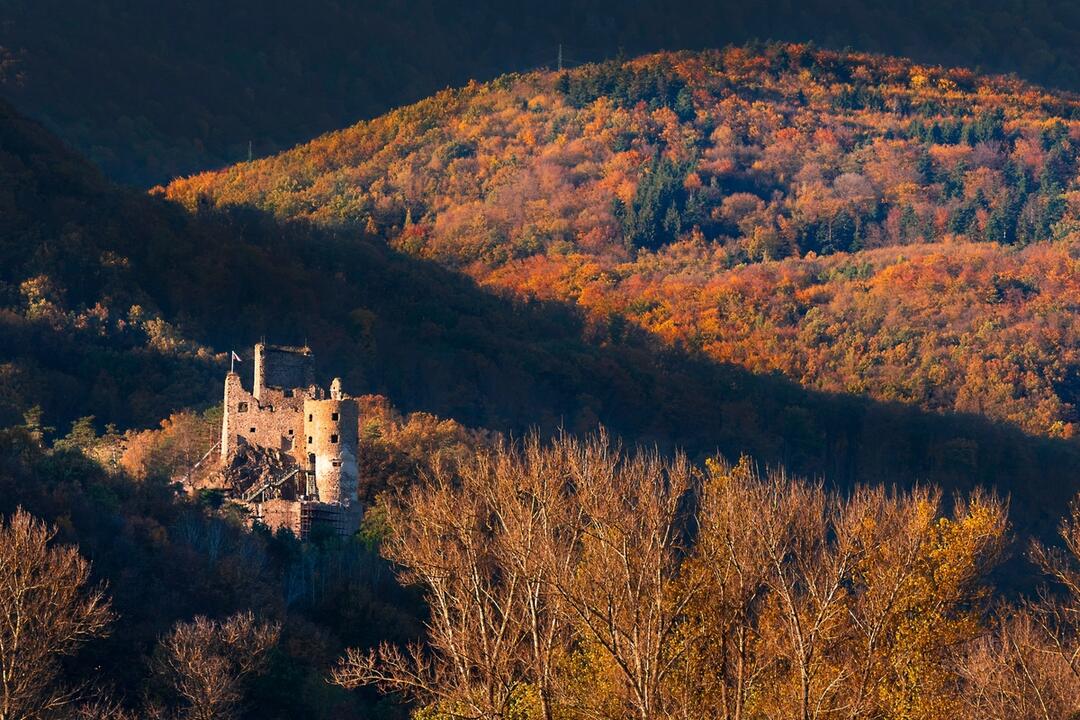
(232, 361)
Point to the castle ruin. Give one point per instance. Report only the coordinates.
(297, 441)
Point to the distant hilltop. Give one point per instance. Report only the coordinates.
(860, 224)
(180, 87)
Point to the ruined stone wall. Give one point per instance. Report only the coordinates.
(286, 411)
(282, 367)
(274, 421)
(301, 516)
(332, 438)
(277, 513)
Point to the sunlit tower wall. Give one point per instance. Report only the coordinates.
(234, 396)
(282, 367)
(269, 416)
(332, 429)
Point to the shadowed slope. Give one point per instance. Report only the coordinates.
(425, 336)
(150, 90)
(857, 223)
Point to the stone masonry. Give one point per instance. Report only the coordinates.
(286, 411)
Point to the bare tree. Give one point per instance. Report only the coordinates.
(810, 547)
(820, 606)
(579, 581)
(206, 662)
(1014, 673)
(538, 527)
(893, 541)
(623, 587)
(1059, 615)
(525, 552)
(107, 708)
(47, 610)
(444, 540)
(1029, 667)
(724, 668)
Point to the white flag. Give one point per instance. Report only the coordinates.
(235, 356)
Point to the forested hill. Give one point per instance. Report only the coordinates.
(123, 306)
(150, 90)
(859, 224)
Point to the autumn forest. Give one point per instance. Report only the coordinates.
(735, 383)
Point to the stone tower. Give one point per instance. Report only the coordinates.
(283, 368)
(271, 415)
(332, 428)
(287, 412)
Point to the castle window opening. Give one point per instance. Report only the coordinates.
(290, 431)
(336, 463)
(310, 440)
(333, 438)
(333, 416)
(311, 418)
(242, 407)
(252, 430)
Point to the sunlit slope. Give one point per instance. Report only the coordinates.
(861, 224)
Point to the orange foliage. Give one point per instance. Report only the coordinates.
(813, 213)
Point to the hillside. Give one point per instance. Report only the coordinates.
(151, 90)
(113, 301)
(123, 307)
(560, 252)
(859, 224)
